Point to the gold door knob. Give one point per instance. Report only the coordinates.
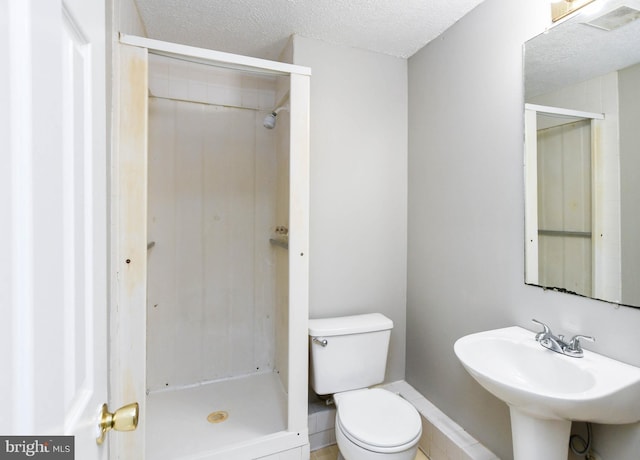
(124, 419)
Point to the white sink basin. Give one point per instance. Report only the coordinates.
(510, 364)
(545, 390)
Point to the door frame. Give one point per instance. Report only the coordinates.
(128, 264)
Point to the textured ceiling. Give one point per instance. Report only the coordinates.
(573, 51)
(261, 28)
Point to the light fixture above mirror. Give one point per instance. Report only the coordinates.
(563, 8)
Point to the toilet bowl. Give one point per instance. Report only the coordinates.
(348, 355)
(376, 424)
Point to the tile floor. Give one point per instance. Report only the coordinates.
(331, 453)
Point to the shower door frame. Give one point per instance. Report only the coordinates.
(604, 250)
(128, 265)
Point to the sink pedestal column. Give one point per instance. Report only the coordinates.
(536, 438)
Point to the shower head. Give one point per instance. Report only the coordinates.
(269, 121)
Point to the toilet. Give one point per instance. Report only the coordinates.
(349, 355)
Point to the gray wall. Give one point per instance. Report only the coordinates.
(358, 210)
(629, 87)
(466, 224)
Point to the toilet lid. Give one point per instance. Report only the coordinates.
(378, 418)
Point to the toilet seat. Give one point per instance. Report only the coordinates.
(378, 420)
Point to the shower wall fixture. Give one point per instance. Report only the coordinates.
(269, 121)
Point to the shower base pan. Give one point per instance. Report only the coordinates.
(196, 422)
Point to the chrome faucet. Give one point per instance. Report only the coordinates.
(572, 348)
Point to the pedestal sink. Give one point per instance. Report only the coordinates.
(545, 391)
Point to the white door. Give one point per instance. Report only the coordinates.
(53, 228)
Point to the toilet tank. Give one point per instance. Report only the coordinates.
(348, 352)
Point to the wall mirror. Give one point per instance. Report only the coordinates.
(582, 154)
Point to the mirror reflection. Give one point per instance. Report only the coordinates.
(582, 154)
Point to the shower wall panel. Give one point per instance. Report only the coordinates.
(564, 204)
(190, 81)
(212, 207)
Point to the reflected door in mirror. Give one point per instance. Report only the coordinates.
(564, 203)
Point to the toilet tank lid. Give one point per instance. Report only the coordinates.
(355, 324)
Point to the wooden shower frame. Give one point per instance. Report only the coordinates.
(128, 264)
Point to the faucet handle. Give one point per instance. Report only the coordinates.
(574, 348)
(546, 330)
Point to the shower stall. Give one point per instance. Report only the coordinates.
(211, 218)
